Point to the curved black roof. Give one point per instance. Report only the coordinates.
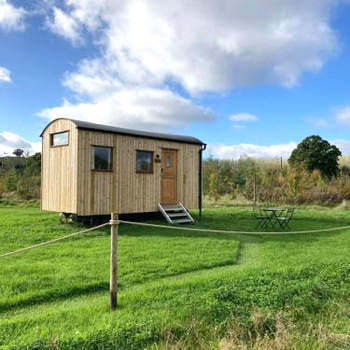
(116, 130)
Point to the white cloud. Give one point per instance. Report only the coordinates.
(249, 150)
(319, 122)
(238, 126)
(342, 115)
(243, 117)
(9, 142)
(271, 151)
(11, 17)
(208, 45)
(93, 79)
(142, 108)
(343, 145)
(64, 25)
(205, 46)
(5, 75)
(338, 117)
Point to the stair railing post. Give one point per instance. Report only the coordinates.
(113, 287)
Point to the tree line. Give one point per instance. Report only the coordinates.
(312, 175)
(20, 176)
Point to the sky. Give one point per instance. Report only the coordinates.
(249, 77)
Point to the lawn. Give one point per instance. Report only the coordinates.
(178, 289)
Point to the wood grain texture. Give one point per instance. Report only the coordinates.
(169, 177)
(70, 185)
(59, 170)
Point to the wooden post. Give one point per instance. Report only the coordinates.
(113, 288)
(254, 184)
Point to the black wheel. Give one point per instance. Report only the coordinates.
(66, 218)
(72, 218)
(63, 218)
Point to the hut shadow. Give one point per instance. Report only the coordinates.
(53, 296)
(139, 231)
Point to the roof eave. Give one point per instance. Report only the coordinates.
(142, 136)
(120, 132)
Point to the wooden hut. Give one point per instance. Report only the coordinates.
(90, 169)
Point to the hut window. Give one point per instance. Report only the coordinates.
(59, 139)
(144, 162)
(102, 158)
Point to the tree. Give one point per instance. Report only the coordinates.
(28, 184)
(33, 165)
(213, 186)
(314, 153)
(18, 152)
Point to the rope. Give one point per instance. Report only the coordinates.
(42, 244)
(234, 232)
(52, 241)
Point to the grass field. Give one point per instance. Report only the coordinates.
(178, 289)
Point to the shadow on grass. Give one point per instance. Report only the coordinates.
(287, 238)
(52, 296)
(137, 231)
(212, 221)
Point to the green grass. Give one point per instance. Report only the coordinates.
(187, 289)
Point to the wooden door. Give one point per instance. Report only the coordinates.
(169, 178)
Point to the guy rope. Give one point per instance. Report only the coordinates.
(235, 232)
(168, 227)
(42, 244)
(114, 223)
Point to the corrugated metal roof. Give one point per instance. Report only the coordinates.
(116, 130)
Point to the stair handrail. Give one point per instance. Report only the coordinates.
(186, 211)
(165, 214)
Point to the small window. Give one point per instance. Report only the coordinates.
(59, 139)
(144, 162)
(102, 158)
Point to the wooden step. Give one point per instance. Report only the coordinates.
(181, 221)
(174, 215)
(173, 208)
(173, 211)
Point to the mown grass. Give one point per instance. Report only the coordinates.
(178, 289)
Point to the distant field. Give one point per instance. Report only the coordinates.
(178, 289)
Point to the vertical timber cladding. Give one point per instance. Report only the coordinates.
(124, 190)
(169, 177)
(96, 189)
(59, 169)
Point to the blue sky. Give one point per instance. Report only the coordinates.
(245, 77)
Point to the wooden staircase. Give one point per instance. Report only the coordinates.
(175, 213)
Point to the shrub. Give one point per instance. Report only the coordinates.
(11, 180)
(2, 186)
(324, 195)
(22, 179)
(238, 179)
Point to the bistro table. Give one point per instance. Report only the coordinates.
(274, 213)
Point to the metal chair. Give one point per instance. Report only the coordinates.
(261, 217)
(284, 220)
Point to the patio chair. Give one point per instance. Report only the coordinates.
(261, 217)
(284, 220)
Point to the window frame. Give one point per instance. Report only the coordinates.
(110, 170)
(138, 171)
(57, 133)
